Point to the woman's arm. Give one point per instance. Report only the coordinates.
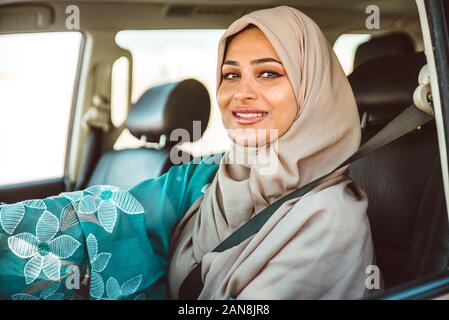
(102, 242)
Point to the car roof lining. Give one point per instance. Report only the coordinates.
(346, 17)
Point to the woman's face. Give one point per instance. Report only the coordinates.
(255, 92)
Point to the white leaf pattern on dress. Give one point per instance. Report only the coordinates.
(24, 245)
(64, 246)
(51, 266)
(68, 217)
(35, 204)
(115, 292)
(24, 296)
(105, 200)
(141, 296)
(96, 286)
(44, 250)
(47, 226)
(49, 293)
(107, 215)
(33, 268)
(130, 286)
(88, 204)
(98, 262)
(10, 216)
(74, 196)
(101, 261)
(95, 190)
(50, 290)
(92, 246)
(127, 202)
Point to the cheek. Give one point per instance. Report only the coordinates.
(284, 106)
(279, 96)
(224, 96)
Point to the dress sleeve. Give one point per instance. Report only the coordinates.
(99, 243)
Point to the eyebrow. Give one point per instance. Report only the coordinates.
(257, 61)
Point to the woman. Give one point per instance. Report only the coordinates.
(292, 118)
(283, 69)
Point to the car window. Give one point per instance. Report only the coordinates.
(345, 47)
(119, 91)
(37, 77)
(161, 56)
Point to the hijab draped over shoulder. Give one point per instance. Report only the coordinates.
(314, 247)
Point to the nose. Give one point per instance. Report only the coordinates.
(245, 90)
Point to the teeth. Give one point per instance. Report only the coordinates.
(250, 115)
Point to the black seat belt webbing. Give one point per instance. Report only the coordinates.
(89, 156)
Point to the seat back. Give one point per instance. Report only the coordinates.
(160, 111)
(403, 180)
(383, 45)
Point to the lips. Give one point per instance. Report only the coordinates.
(248, 116)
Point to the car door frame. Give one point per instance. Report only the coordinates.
(434, 15)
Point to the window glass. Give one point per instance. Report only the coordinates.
(345, 47)
(161, 56)
(37, 77)
(119, 92)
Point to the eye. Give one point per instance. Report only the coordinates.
(269, 74)
(230, 76)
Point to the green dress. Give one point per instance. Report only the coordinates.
(99, 243)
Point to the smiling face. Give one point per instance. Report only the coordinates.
(255, 92)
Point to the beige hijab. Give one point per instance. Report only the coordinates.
(318, 246)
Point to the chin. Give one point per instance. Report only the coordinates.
(249, 140)
(251, 135)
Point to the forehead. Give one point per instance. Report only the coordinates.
(250, 43)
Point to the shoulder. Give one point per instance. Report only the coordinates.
(340, 208)
(197, 170)
(182, 175)
(198, 174)
(344, 193)
(187, 182)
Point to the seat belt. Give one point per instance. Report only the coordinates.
(89, 157)
(96, 120)
(407, 121)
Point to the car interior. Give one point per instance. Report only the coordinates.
(158, 112)
(404, 183)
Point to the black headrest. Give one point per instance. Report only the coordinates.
(167, 107)
(383, 87)
(383, 45)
